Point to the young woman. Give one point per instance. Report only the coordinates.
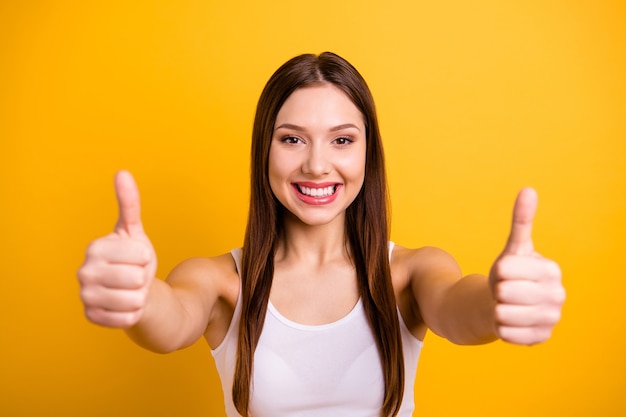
(318, 314)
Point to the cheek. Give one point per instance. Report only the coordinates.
(277, 173)
(361, 170)
(353, 166)
(273, 175)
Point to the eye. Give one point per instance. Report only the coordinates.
(343, 141)
(291, 140)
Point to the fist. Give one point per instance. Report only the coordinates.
(526, 287)
(118, 270)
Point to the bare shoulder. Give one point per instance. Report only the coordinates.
(215, 276)
(208, 288)
(422, 261)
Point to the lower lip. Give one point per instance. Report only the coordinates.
(317, 201)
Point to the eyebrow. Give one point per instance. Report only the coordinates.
(332, 129)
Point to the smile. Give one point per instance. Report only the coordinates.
(317, 192)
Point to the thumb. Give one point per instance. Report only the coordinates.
(129, 220)
(520, 239)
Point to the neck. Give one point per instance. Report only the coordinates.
(312, 244)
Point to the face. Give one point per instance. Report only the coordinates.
(317, 154)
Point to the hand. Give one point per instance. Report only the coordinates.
(526, 287)
(119, 268)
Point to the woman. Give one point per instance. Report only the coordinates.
(318, 314)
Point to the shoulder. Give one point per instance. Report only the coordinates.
(217, 274)
(426, 272)
(223, 262)
(424, 260)
(208, 288)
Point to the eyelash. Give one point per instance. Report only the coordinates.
(346, 140)
(292, 140)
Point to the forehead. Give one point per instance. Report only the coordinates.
(319, 105)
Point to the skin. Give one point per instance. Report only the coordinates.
(319, 139)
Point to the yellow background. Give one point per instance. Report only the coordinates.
(476, 99)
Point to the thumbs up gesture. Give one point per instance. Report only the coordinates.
(526, 286)
(119, 268)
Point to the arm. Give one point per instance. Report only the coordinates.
(520, 302)
(182, 309)
(119, 288)
(456, 307)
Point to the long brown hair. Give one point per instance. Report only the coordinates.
(367, 227)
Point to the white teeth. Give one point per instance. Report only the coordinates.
(317, 192)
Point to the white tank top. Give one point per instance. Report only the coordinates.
(315, 371)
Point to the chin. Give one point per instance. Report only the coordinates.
(314, 221)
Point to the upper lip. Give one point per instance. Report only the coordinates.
(310, 184)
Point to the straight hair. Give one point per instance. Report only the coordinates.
(367, 227)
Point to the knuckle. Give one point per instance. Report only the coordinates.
(543, 334)
(145, 253)
(500, 315)
(95, 315)
(109, 319)
(553, 295)
(525, 336)
(94, 249)
(87, 296)
(549, 317)
(504, 266)
(507, 334)
(553, 270)
(89, 313)
(500, 267)
(537, 335)
(498, 291)
(129, 319)
(87, 275)
(133, 303)
(144, 296)
(137, 300)
(559, 296)
(136, 277)
(555, 316)
(502, 290)
(84, 275)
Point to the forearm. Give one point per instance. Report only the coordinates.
(162, 327)
(467, 312)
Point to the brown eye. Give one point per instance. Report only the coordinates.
(290, 140)
(343, 141)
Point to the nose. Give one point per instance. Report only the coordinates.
(316, 162)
